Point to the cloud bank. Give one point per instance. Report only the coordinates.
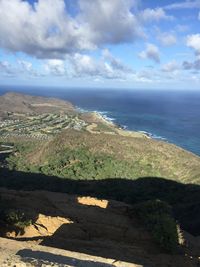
(47, 30)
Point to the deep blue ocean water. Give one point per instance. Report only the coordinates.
(173, 116)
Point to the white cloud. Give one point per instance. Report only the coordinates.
(76, 65)
(193, 41)
(55, 67)
(154, 15)
(171, 66)
(167, 38)
(25, 65)
(6, 68)
(108, 67)
(14, 69)
(84, 65)
(151, 52)
(110, 21)
(114, 62)
(184, 5)
(46, 29)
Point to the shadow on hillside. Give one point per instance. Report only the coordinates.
(184, 198)
(3, 156)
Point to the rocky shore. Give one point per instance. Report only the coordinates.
(120, 129)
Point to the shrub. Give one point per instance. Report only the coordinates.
(13, 217)
(17, 218)
(157, 218)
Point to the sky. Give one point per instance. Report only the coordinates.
(100, 43)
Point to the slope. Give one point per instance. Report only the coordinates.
(82, 155)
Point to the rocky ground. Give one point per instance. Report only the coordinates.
(69, 230)
(22, 254)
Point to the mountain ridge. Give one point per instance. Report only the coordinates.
(23, 103)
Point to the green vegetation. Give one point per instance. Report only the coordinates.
(18, 159)
(103, 127)
(81, 155)
(157, 217)
(81, 164)
(76, 163)
(12, 217)
(85, 161)
(16, 218)
(73, 160)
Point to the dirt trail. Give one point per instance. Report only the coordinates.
(90, 128)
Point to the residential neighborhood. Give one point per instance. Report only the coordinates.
(40, 127)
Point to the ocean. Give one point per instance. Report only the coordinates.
(172, 116)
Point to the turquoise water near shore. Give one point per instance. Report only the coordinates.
(172, 116)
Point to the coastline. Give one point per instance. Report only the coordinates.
(117, 127)
(134, 134)
(183, 133)
(121, 129)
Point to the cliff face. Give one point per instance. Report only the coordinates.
(99, 228)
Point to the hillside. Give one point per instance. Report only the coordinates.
(128, 169)
(18, 104)
(85, 145)
(100, 228)
(82, 155)
(34, 117)
(106, 192)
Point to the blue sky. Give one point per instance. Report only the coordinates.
(100, 43)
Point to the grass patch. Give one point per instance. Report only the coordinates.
(102, 127)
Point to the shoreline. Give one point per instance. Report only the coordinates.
(120, 129)
(178, 136)
(140, 134)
